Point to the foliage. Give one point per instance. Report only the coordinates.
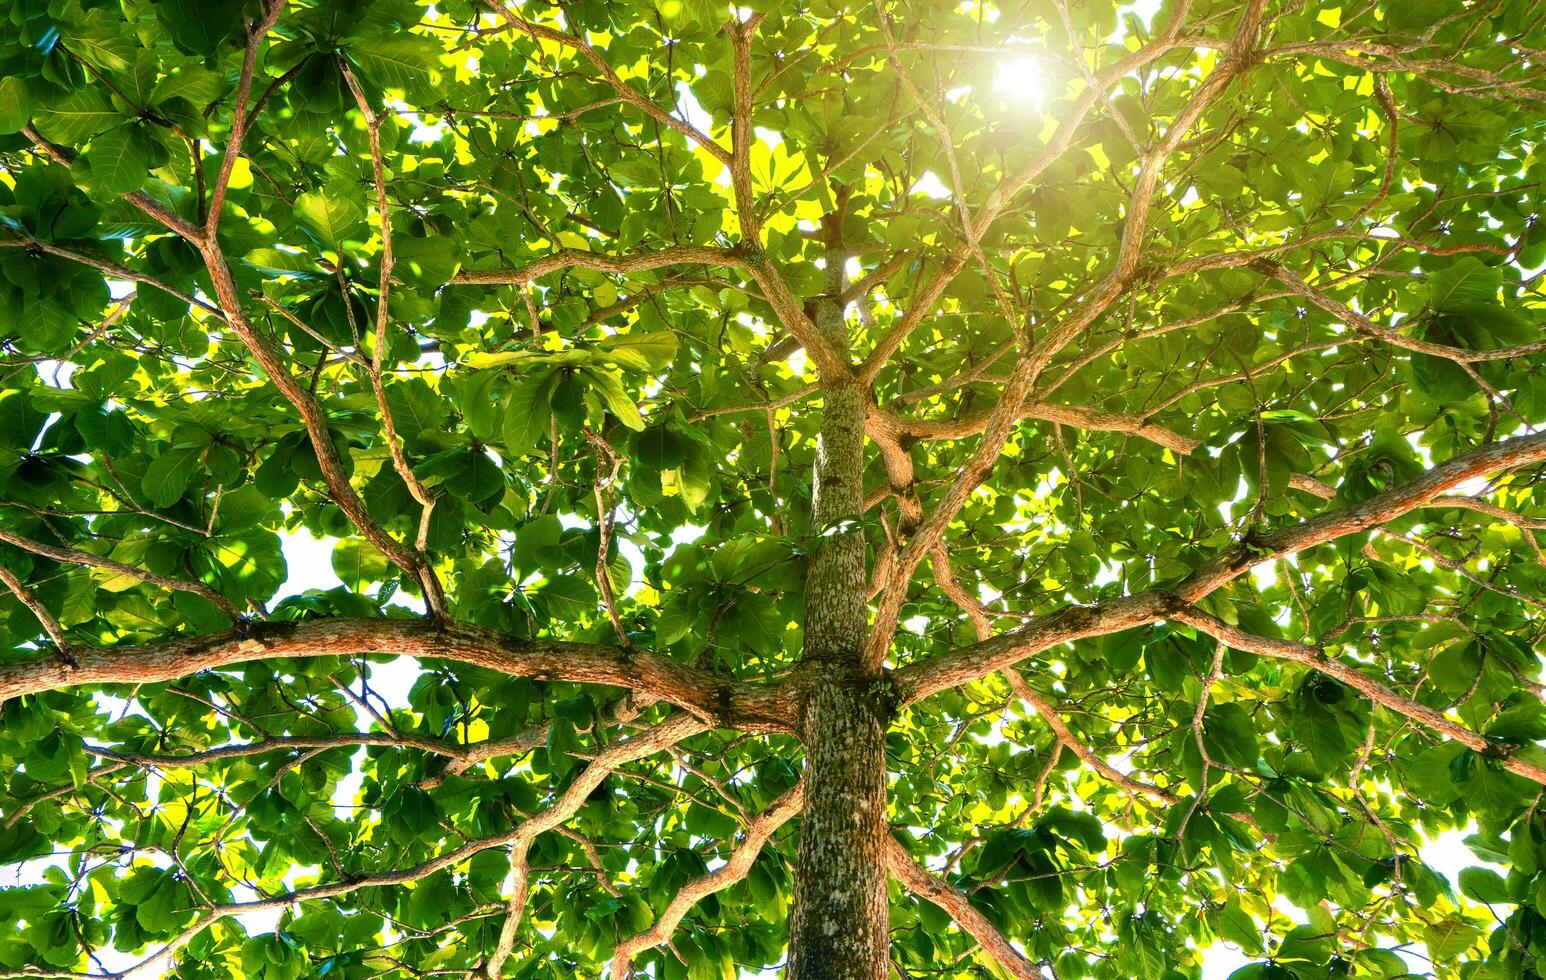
(527, 309)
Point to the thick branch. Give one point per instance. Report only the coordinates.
(741, 135)
(315, 421)
(731, 704)
(1368, 514)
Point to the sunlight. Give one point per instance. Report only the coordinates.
(1021, 79)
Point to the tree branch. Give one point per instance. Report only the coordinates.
(732, 871)
(646, 743)
(416, 488)
(1074, 416)
(239, 117)
(756, 707)
(45, 618)
(622, 88)
(72, 556)
(923, 302)
(937, 673)
(573, 258)
(1028, 368)
(149, 205)
(952, 900)
(1362, 324)
(1071, 742)
(1317, 659)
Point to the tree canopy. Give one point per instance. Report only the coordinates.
(1027, 489)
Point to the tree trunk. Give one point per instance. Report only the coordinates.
(839, 922)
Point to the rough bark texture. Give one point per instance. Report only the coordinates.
(839, 922)
(835, 620)
(703, 695)
(840, 925)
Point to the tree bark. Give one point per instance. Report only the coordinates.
(839, 921)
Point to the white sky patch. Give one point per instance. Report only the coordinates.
(690, 110)
(688, 533)
(310, 563)
(1144, 10)
(930, 185)
(1265, 575)
(796, 362)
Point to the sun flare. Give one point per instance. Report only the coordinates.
(1022, 79)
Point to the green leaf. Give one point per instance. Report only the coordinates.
(695, 478)
(403, 62)
(1483, 885)
(357, 564)
(527, 414)
(170, 474)
(1449, 938)
(199, 27)
(1466, 280)
(507, 358)
(1231, 734)
(331, 217)
(660, 448)
(427, 262)
(117, 161)
(640, 351)
(479, 405)
(46, 325)
(110, 432)
(15, 104)
(1318, 730)
(416, 408)
(251, 562)
(616, 399)
(1430, 774)
(477, 478)
(77, 117)
(568, 598)
(1233, 923)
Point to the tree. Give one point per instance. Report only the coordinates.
(916, 489)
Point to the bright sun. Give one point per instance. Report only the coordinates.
(1021, 79)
